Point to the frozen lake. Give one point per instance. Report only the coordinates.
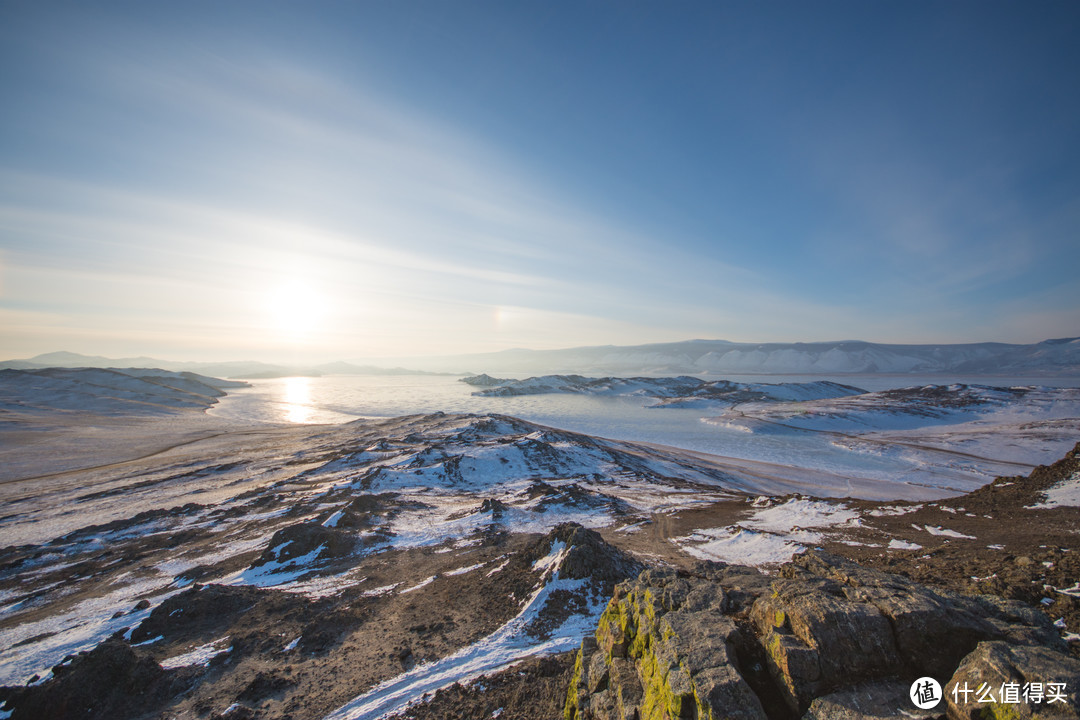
(337, 399)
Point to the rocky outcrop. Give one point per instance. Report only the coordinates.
(826, 638)
(590, 558)
(664, 647)
(111, 681)
(494, 506)
(306, 540)
(585, 557)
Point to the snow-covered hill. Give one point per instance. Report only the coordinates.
(914, 407)
(108, 391)
(1014, 424)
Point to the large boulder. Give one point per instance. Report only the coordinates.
(826, 639)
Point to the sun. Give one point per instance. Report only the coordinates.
(295, 310)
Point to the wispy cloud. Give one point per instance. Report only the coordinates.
(184, 190)
(399, 220)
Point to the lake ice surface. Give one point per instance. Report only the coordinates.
(923, 455)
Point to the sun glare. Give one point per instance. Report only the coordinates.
(296, 403)
(295, 310)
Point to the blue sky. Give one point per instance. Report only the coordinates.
(348, 180)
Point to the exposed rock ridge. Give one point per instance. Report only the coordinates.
(827, 638)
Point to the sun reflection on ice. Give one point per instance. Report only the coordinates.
(297, 406)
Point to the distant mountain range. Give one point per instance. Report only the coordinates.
(1058, 358)
(719, 357)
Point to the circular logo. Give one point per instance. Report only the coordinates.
(926, 693)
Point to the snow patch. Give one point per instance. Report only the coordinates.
(896, 544)
(944, 532)
(202, 655)
(1074, 591)
(890, 510)
(375, 592)
(332, 521)
(798, 514)
(81, 628)
(463, 570)
(1063, 494)
(423, 583)
(553, 559)
(151, 641)
(742, 547)
(772, 534)
(499, 567)
(276, 573)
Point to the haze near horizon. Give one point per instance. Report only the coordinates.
(298, 184)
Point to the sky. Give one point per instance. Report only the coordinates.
(341, 180)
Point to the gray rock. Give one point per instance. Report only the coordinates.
(887, 700)
(626, 687)
(829, 639)
(597, 673)
(817, 639)
(727, 695)
(994, 664)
